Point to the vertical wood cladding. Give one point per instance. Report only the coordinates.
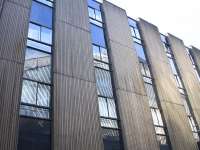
(13, 31)
(136, 122)
(188, 75)
(173, 110)
(75, 109)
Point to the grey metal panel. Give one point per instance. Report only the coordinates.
(13, 31)
(72, 52)
(174, 114)
(23, 3)
(10, 85)
(181, 138)
(74, 12)
(162, 73)
(188, 75)
(76, 121)
(136, 122)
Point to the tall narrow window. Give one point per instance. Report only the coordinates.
(181, 88)
(35, 108)
(109, 119)
(159, 125)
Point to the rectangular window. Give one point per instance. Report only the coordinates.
(37, 66)
(39, 33)
(97, 35)
(140, 52)
(104, 85)
(34, 134)
(41, 14)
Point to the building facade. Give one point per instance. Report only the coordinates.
(82, 75)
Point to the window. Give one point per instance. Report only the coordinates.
(35, 93)
(100, 53)
(94, 4)
(107, 107)
(38, 46)
(140, 52)
(97, 36)
(111, 139)
(34, 134)
(95, 14)
(104, 85)
(40, 33)
(47, 2)
(41, 14)
(37, 66)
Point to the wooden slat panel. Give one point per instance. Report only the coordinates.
(73, 12)
(181, 137)
(10, 85)
(137, 125)
(76, 121)
(136, 121)
(72, 53)
(188, 75)
(166, 89)
(76, 117)
(13, 31)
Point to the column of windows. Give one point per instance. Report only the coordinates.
(180, 86)
(109, 120)
(35, 107)
(159, 125)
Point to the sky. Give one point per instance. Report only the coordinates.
(178, 17)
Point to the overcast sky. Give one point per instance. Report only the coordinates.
(178, 17)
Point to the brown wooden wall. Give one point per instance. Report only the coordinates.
(136, 121)
(75, 107)
(13, 32)
(190, 80)
(173, 110)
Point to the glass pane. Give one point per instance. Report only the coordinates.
(34, 134)
(41, 14)
(37, 66)
(140, 52)
(137, 34)
(39, 46)
(94, 4)
(46, 35)
(159, 130)
(29, 90)
(96, 52)
(159, 117)
(111, 139)
(43, 96)
(162, 139)
(91, 13)
(103, 80)
(111, 108)
(155, 120)
(96, 22)
(98, 15)
(34, 112)
(34, 32)
(132, 23)
(97, 35)
(173, 67)
(101, 65)
(109, 123)
(104, 54)
(151, 95)
(47, 2)
(103, 108)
